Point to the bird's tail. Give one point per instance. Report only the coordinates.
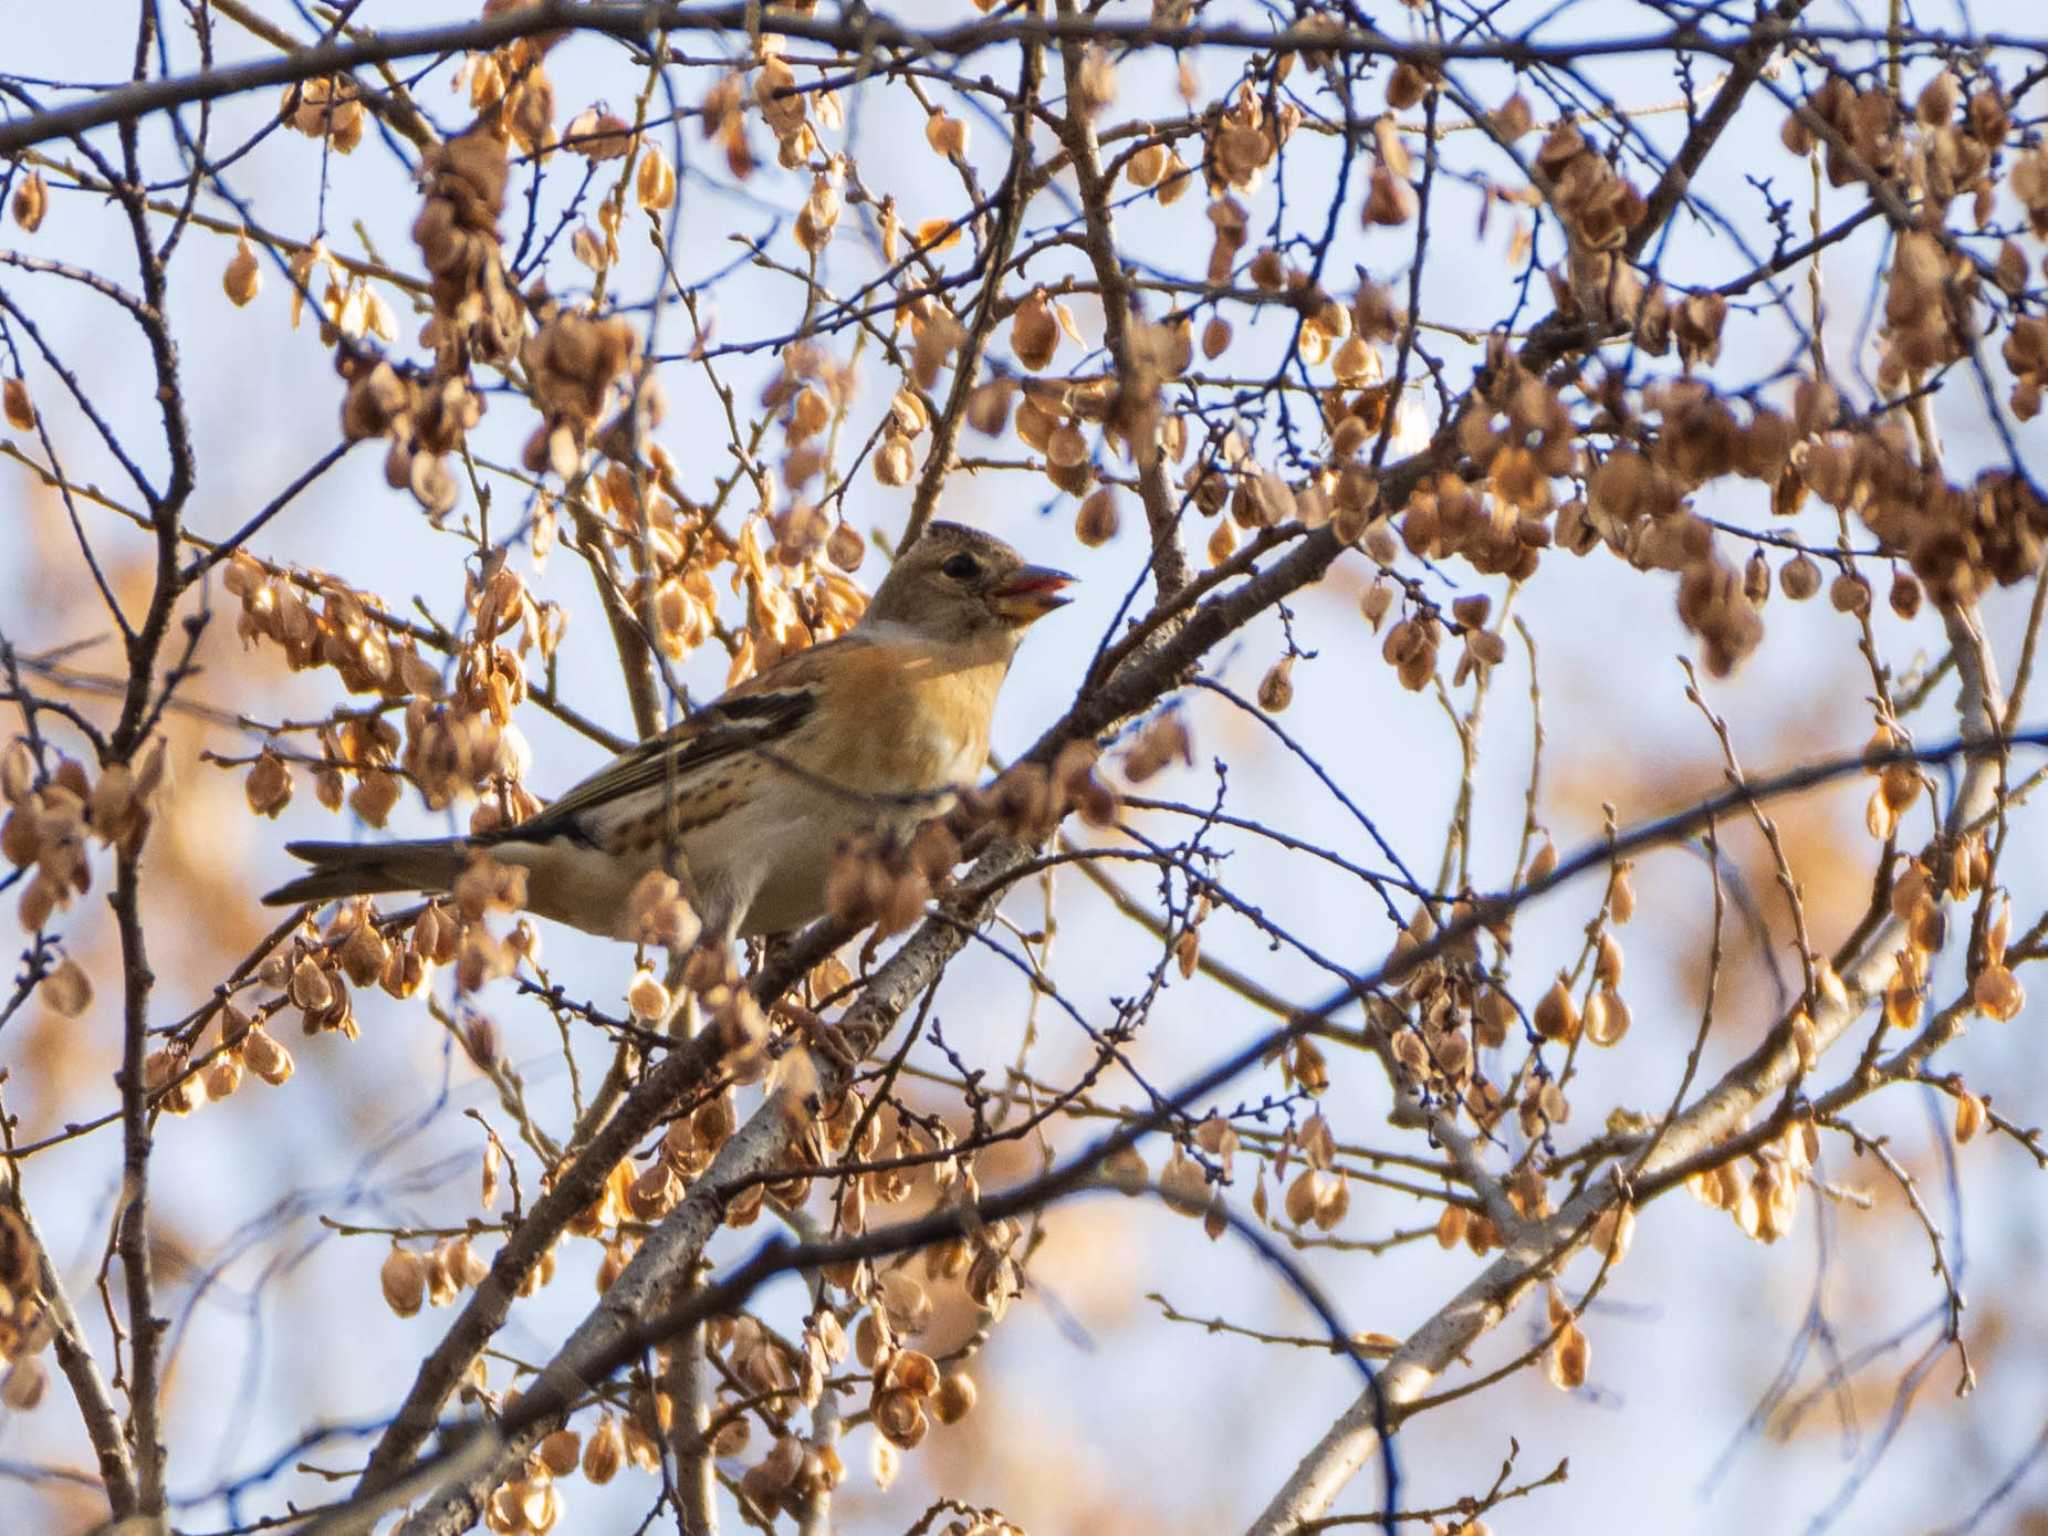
(367, 869)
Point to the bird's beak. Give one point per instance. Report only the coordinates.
(1030, 594)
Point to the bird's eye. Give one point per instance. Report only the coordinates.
(962, 568)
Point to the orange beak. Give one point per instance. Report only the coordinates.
(1030, 594)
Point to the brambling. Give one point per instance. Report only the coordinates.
(745, 802)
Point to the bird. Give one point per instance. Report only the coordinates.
(870, 733)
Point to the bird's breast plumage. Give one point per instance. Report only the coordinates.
(914, 719)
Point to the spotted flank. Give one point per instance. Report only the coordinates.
(648, 818)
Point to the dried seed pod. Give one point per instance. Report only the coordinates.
(1493, 1014)
(648, 999)
(809, 414)
(1034, 332)
(1607, 1017)
(561, 1452)
(163, 1072)
(1568, 1359)
(1184, 1184)
(1756, 579)
(597, 135)
(444, 1283)
(1309, 1069)
(465, 1265)
(1300, 1201)
(31, 202)
(243, 279)
(1927, 926)
(901, 1419)
(1276, 688)
(1850, 593)
(1799, 578)
(311, 987)
(1613, 1231)
(1608, 962)
(67, 989)
(1390, 201)
(845, 548)
(21, 1389)
(904, 1302)
(268, 787)
(654, 181)
(1969, 1115)
(946, 135)
(1621, 897)
(1035, 425)
(223, 1076)
(14, 401)
(1175, 180)
(1405, 86)
(613, 1264)
(1125, 1169)
(364, 954)
(819, 215)
(1095, 524)
(1333, 1200)
(17, 772)
(266, 1058)
(1998, 932)
(1067, 447)
(894, 460)
(1805, 1039)
(605, 1451)
(1472, 610)
(1557, 1016)
(988, 408)
(1936, 104)
(404, 1279)
(1997, 994)
(1899, 784)
(234, 1025)
(1097, 81)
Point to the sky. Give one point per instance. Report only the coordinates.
(1150, 1426)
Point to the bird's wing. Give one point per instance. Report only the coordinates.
(762, 712)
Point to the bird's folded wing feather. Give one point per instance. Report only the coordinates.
(761, 714)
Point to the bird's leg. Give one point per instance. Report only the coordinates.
(721, 909)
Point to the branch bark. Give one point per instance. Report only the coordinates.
(641, 23)
(1077, 132)
(81, 1370)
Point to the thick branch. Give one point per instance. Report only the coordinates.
(132, 1236)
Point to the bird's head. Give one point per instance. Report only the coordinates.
(959, 585)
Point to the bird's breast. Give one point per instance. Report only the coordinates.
(928, 731)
